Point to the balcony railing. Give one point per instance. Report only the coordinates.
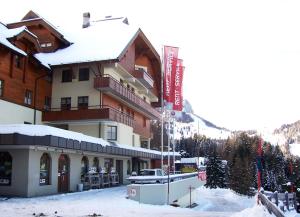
(116, 89)
(143, 77)
(101, 112)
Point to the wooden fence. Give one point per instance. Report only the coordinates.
(271, 201)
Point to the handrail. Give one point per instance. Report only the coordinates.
(126, 92)
(162, 179)
(73, 108)
(272, 208)
(89, 112)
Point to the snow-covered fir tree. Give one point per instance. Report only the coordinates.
(215, 171)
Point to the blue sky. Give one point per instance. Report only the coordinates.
(241, 57)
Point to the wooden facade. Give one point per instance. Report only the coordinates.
(19, 74)
(115, 106)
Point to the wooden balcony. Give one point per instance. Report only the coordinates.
(115, 89)
(144, 78)
(89, 113)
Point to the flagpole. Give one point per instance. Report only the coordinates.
(173, 140)
(162, 109)
(169, 118)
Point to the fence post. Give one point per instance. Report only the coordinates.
(295, 201)
(276, 197)
(287, 200)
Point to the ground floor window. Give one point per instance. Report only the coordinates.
(128, 167)
(84, 166)
(96, 164)
(108, 164)
(45, 169)
(5, 168)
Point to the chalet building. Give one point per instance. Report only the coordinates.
(102, 82)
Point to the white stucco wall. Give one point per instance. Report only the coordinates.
(17, 114)
(74, 89)
(88, 129)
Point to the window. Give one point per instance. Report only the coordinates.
(108, 164)
(18, 61)
(47, 104)
(67, 75)
(28, 97)
(84, 74)
(83, 102)
(144, 122)
(45, 169)
(5, 168)
(84, 166)
(48, 44)
(65, 103)
(111, 132)
(1, 87)
(128, 167)
(132, 114)
(96, 164)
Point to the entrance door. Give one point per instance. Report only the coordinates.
(63, 173)
(119, 168)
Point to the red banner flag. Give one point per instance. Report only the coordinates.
(170, 61)
(177, 84)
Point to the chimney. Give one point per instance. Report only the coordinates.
(86, 20)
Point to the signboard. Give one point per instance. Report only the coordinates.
(202, 175)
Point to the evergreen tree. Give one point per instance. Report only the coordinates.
(215, 172)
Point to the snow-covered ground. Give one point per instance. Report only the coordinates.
(112, 202)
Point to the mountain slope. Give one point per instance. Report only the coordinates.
(188, 124)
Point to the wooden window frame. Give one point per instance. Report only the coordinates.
(66, 105)
(112, 134)
(28, 97)
(45, 173)
(18, 60)
(66, 75)
(84, 74)
(85, 102)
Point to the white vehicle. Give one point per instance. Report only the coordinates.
(152, 172)
(148, 176)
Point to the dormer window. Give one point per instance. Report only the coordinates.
(47, 44)
(143, 68)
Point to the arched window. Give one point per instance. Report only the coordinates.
(96, 164)
(128, 167)
(45, 163)
(84, 166)
(5, 168)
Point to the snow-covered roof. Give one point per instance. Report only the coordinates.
(105, 40)
(6, 33)
(43, 130)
